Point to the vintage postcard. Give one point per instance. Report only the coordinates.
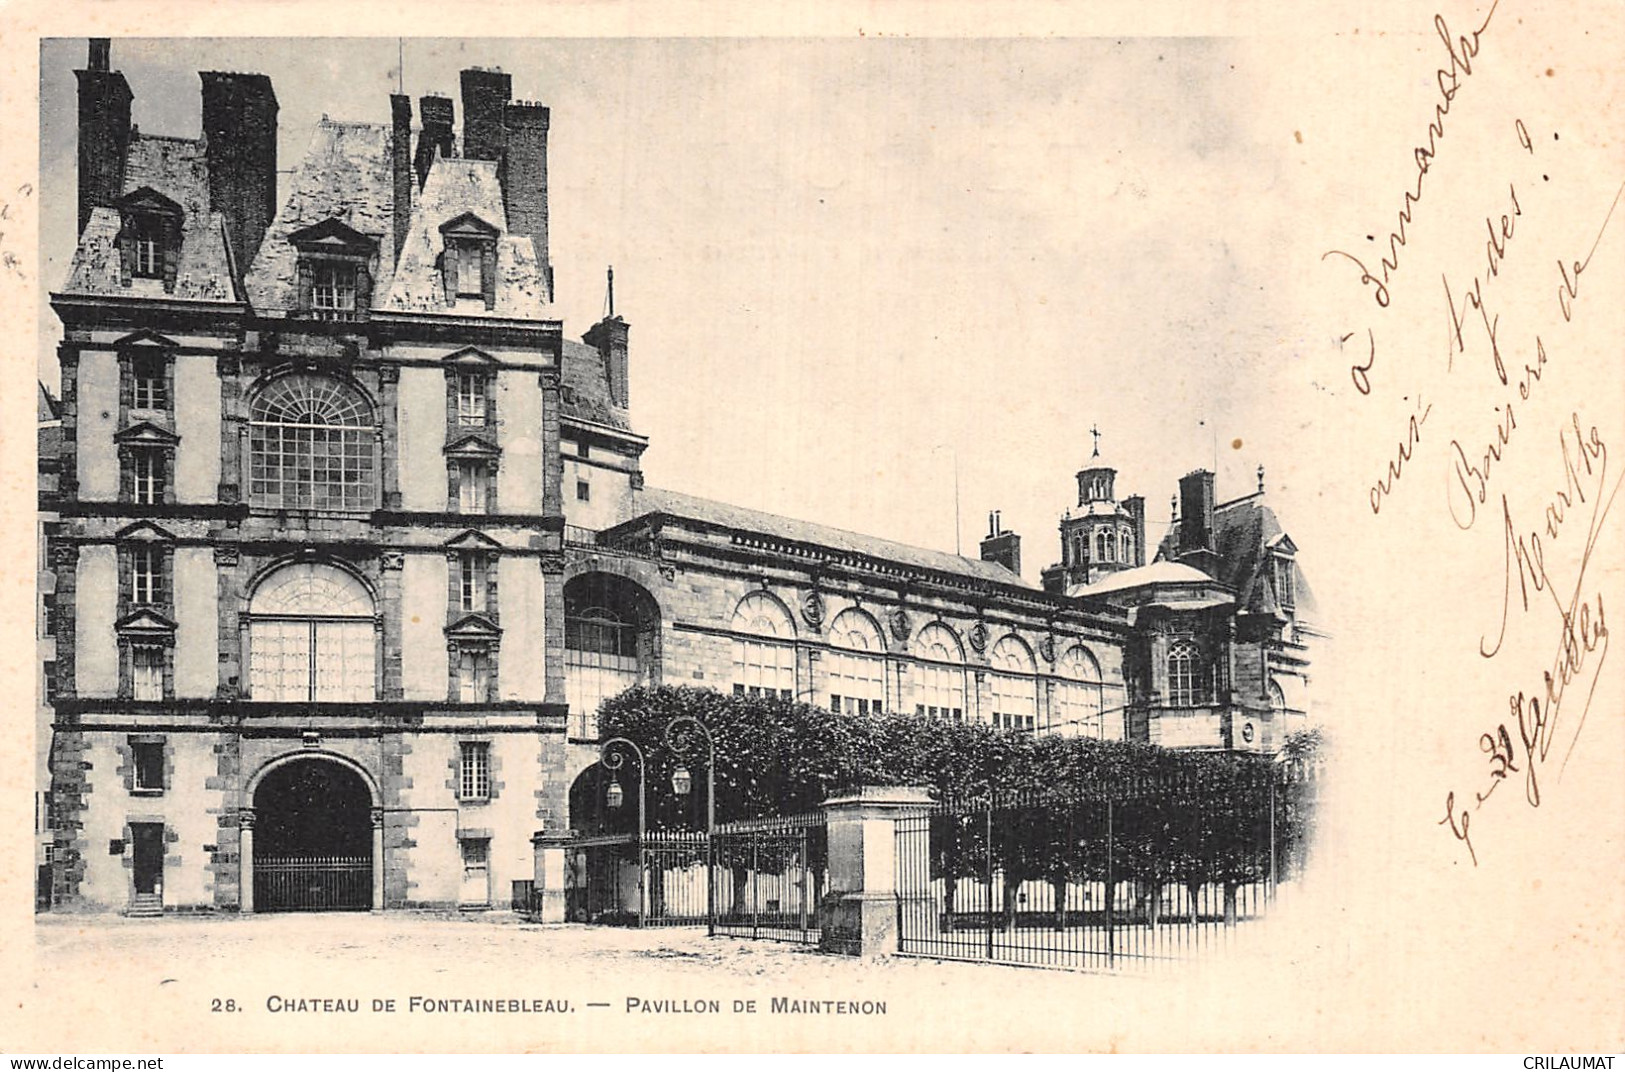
(1026, 528)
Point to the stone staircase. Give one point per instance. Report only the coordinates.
(145, 906)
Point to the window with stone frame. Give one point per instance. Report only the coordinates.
(940, 674)
(475, 577)
(472, 480)
(1285, 594)
(149, 379)
(312, 636)
(468, 260)
(147, 671)
(148, 569)
(333, 273)
(148, 470)
(473, 397)
(1014, 686)
(147, 766)
(474, 770)
(856, 664)
(1190, 675)
(474, 673)
(149, 238)
(765, 656)
(313, 444)
(1079, 695)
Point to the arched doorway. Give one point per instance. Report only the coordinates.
(312, 838)
(611, 643)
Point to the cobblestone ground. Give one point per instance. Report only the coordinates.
(155, 984)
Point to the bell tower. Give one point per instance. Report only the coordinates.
(1100, 535)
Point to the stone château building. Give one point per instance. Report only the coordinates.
(347, 539)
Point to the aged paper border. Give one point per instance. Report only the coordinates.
(1402, 943)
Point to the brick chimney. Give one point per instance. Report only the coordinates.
(104, 130)
(1135, 505)
(239, 131)
(400, 159)
(524, 180)
(437, 115)
(608, 337)
(485, 95)
(1196, 520)
(1001, 547)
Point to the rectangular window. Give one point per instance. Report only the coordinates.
(474, 676)
(148, 468)
(470, 263)
(1283, 582)
(148, 758)
(145, 574)
(474, 782)
(149, 252)
(583, 449)
(147, 672)
(471, 570)
(151, 389)
(471, 478)
(471, 394)
(583, 491)
(334, 287)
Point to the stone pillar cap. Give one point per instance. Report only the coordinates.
(908, 796)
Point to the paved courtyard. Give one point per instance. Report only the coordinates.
(495, 982)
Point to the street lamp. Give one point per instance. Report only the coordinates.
(615, 796)
(682, 782)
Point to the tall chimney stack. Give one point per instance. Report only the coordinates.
(1196, 520)
(104, 130)
(1135, 505)
(400, 159)
(239, 131)
(437, 115)
(608, 337)
(1000, 547)
(485, 94)
(524, 180)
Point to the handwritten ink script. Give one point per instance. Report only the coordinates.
(1498, 406)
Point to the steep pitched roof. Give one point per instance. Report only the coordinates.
(1243, 531)
(743, 519)
(347, 175)
(586, 395)
(456, 188)
(177, 169)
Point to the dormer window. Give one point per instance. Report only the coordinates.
(149, 241)
(1284, 593)
(334, 273)
(333, 287)
(468, 262)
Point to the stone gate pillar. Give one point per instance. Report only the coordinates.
(549, 882)
(245, 859)
(377, 817)
(858, 916)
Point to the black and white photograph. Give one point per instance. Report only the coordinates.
(892, 534)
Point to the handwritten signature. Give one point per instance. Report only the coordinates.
(1523, 742)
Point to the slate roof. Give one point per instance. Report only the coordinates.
(1161, 571)
(346, 174)
(456, 186)
(178, 169)
(743, 519)
(1243, 531)
(586, 383)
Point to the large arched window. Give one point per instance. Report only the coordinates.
(1189, 676)
(311, 636)
(1125, 547)
(1078, 696)
(1015, 687)
(764, 661)
(611, 628)
(1103, 545)
(940, 692)
(857, 666)
(311, 446)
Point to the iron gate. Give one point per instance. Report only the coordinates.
(759, 878)
(1140, 875)
(770, 875)
(312, 883)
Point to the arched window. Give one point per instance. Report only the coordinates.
(1103, 545)
(611, 627)
(311, 446)
(1189, 676)
(857, 666)
(311, 636)
(765, 661)
(1079, 694)
(1015, 688)
(940, 692)
(1125, 547)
